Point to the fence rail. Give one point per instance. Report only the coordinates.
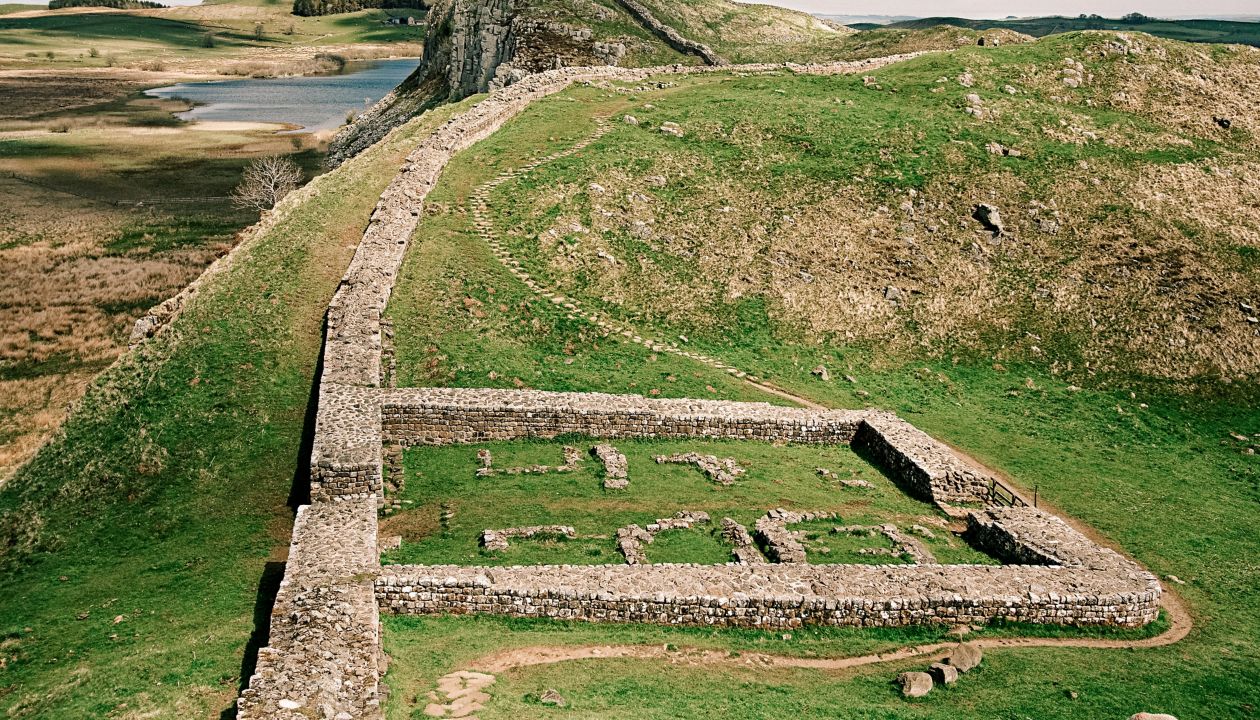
(999, 494)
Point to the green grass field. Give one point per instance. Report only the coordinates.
(1150, 463)
(442, 482)
(190, 38)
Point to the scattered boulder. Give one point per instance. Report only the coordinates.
(965, 657)
(989, 216)
(915, 684)
(630, 120)
(1151, 716)
(143, 329)
(997, 148)
(551, 697)
(672, 128)
(892, 293)
(966, 80)
(821, 373)
(943, 674)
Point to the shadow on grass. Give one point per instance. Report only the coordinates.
(268, 586)
(273, 572)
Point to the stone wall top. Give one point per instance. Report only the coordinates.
(322, 656)
(737, 582)
(602, 403)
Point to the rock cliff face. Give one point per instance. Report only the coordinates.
(476, 46)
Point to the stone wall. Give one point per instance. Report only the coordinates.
(926, 467)
(1024, 535)
(774, 595)
(671, 36)
(1077, 582)
(322, 657)
(441, 416)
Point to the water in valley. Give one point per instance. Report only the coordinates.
(317, 102)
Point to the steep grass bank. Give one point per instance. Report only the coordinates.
(141, 546)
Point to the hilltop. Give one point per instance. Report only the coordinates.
(1189, 30)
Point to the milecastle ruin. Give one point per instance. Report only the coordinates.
(323, 658)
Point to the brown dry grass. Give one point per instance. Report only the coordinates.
(69, 297)
(1117, 264)
(57, 329)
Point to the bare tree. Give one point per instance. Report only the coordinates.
(266, 181)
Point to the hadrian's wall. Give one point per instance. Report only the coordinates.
(671, 36)
(925, 466)
(322, 656)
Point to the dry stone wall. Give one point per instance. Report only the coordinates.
(671, 36)
(925, 466)
(441, 416)
(1082, 584)
(322, 657)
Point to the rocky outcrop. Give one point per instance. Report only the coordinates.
(669, 34)
(476, 46)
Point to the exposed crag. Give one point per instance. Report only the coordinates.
(481, 45)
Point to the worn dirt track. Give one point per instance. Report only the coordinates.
(529, 656)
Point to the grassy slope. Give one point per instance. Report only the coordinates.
(791, 225)
(751, 33)
(450, 275)
(162, 502)
(1156, 471)
(612, 23)
(146, 500)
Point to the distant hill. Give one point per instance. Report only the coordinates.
(854, 20)
(1215, 31)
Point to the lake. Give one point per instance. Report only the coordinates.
(315, 102)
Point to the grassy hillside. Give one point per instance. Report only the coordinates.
(106, 215)
(1205, 31)
(141, 547)
(202, 39)
(851, 220)
(749, 33)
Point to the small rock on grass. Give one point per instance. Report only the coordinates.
(551, 697)
(915, 684)
(965, 657)
(1151, 716)
(943, 674)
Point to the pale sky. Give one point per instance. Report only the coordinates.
(1002, 8)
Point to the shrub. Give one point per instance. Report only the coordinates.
(266, 181)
